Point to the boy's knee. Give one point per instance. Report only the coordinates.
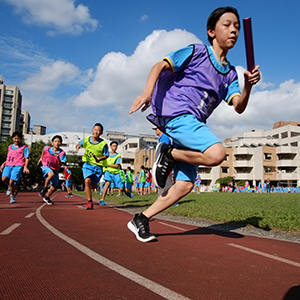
(215, 155)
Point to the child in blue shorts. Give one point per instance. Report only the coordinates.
(94, 158)
(112, 173)
(183, 91)
(52, 159)
(16, 163)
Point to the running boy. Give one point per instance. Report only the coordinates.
(52, 159)
(112, 173)
(94, 158)
(16, 163)
(185, 88)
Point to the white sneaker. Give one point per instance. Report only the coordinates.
(13, 199)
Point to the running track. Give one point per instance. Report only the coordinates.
(65, 252)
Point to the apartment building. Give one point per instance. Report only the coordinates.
(10, 110)
(258, 155)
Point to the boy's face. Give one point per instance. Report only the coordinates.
(114, 147)
(226, 31)
(56, 143)
(16, 140)
(97, 131)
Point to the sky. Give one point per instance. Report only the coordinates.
(82, 62)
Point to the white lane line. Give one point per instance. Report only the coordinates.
(143, 281)
(10, 229)
(30, 215)
(179, 228)
(290, 262)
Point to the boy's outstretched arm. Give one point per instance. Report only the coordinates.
(145, 98)
(240, 102)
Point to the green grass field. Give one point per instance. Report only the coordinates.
(266, 211)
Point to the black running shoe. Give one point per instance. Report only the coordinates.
(43, 192)
(139, 225)
(163, 164)
(48, 201)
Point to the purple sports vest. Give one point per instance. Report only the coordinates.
(196, 90)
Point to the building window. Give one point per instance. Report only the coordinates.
(7, 104)
(268, 156)
(225, 170)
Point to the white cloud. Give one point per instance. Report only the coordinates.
(50, 77)
(119, 79)
(264, 108)
(143, 18)
(61, 16)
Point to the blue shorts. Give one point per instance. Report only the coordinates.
(92, 171)
(55, 180)
(141, 184)
(128, 185)
(188, 132)
(116, 178)
(147, 184)
(13, 173)
(68, 182)
(137, 185)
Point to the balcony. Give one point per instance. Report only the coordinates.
(243, 163)
(287, 176)
(286, 163)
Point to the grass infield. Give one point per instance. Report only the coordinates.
(265, 211)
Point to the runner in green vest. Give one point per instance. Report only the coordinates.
(94, 158)
(112, 172)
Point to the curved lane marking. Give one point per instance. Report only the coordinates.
(142, 281)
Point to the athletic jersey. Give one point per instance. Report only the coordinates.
(136, 178)
(99, 149)
(114, 159)
(142, 177)
(149, 177)
(122, 175)
(50, 159)
(129, 177)
(197, 84)
(67, 174)
(16, 155)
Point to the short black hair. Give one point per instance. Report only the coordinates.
(216, 15)
(57, 137)
(99, 125)
(18, 134)
(113, 142)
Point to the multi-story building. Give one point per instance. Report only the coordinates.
(10, 109)
(24, 122)
(258, 155)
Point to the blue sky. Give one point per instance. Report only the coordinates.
(82, 62)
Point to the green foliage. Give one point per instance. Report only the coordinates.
(36, 174)
(225, 181)
(75, 164)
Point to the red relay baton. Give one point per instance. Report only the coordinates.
(249, 44)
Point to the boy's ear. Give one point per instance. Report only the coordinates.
(211, 33)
